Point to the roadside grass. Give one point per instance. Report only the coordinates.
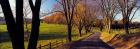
(48, 33)
(3, 28)
(106, 37)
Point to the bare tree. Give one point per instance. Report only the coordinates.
(15, 28)
(109, 11)
(27, 14)
(35, 23)
(126, 7)
(68, 10)
(90, 17)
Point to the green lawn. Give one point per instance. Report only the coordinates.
(48, 33)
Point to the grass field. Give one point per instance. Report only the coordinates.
(48, 33)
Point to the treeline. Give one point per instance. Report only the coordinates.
(57, 18)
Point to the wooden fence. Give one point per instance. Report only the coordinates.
(51, 45)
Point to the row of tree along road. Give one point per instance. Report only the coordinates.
(81, 13)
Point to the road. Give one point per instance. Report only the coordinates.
(91, 42)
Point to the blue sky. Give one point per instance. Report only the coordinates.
(136, 16)
(48, 5)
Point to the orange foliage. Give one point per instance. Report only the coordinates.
(56, 18)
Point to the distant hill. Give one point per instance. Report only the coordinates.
(55, 18)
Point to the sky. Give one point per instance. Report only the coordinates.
(48, 5)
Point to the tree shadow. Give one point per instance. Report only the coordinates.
(92, 42)
(4, 37)
(51, 36)
(127, 37)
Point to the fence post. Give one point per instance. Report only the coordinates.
(62, 43)
(39, 46)
(50, 46)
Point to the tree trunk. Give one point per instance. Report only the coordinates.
(34, 32)
(80, 32)
(106, 27)
(69, 32)
(126, 24)
(109, 26)
(80, 29)
(35, 24)
(101, 27)
(20, 23)
(16, 35)
(127, 27)
(87, 29)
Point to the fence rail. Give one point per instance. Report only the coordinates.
(56, 44)
(51, 45)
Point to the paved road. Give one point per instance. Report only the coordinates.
(91, 42)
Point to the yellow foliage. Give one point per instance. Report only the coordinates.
(105, 36)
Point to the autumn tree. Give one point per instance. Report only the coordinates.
(79, 17)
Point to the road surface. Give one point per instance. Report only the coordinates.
(91, 42)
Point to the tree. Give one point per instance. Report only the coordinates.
(68, 7)
(89, 19)
(15, 28)
(126, 7)
(19, 22)
(35, 23)
(109, 10)
(79, 17)
(90, 15)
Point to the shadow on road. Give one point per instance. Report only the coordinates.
(91, 42)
